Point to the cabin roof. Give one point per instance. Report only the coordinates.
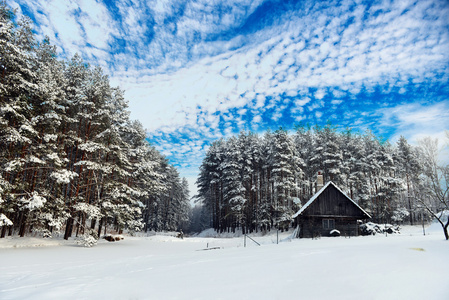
(299, 212)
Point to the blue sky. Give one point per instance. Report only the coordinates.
(196, 71)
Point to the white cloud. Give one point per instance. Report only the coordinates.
(97, 23)
(82, 26)
(336, 102)
(415, 121)
(320, 94)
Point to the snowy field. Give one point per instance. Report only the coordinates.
(402, 266)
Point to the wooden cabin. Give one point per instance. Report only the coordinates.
(327, 210)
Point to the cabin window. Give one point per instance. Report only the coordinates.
(328, 223)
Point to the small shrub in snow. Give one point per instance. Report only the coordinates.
(391, 228)
(45, 233)
(135, 226)
(371, 228)
(4, 221)
(88, 239)
(400, 214)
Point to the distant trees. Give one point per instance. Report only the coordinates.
(433, 183)
(256, 182)
(248, 182)
(70, 157)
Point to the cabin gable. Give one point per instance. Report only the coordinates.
(332, 202)
(327, 210)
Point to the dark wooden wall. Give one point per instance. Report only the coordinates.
(331, 202)
(313, 226)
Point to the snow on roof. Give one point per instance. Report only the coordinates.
(311, 200)
(319, 193)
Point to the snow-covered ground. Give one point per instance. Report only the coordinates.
(402, 266)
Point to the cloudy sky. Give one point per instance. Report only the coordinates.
(196, 71)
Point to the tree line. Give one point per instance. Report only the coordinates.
(71, 158)
(256, 182)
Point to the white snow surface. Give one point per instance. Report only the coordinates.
(400, 266)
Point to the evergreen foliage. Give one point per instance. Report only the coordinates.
(70, 157)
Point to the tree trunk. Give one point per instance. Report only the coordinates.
(445, 227)
(409, 200)
(78, 225)
(22, 223)
(100, 224)
(68, 228)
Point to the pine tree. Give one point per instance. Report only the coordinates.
(409, 170)
(284, 175)
(233, 191)
(209, 183)
(17, 86)
(249, 145)
(305, 149)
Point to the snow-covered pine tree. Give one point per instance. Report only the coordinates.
(151, 178)
(233, 191)
(209, 183)
(358, 180)
(265, 207)
(329, 153)
(305, 148)
(285, 167)
(249, 145)
(48, 104)
(384, 186)
(409, 169)
(17, 86)
(184, 212)
(126, 194)
(352, 174)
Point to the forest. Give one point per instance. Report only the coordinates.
(72, 160)
(258, 182)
